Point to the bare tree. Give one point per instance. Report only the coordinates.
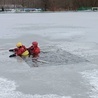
(52, 4)
(45, 4)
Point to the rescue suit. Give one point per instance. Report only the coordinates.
(34, 50)
(21, 50)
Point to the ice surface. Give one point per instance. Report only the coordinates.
(69, 46)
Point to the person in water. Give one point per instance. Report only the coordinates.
(21, 50)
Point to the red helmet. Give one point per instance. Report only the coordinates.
(35, 44)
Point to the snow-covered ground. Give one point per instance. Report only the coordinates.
(68, 59)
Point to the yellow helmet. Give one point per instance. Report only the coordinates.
(19, 44)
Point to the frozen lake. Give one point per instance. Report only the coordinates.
(67, 66)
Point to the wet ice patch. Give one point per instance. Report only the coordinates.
(59, 56)
(7, 90)
(92, 77)
(87, 50)
(55, 57)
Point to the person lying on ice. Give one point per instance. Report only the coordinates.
(34, 50)
(21, 51)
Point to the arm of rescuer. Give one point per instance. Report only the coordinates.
(30, 49)
(13, 50)
(17, 52)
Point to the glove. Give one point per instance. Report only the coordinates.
(13, 55)
(11, 50)
(32, 48)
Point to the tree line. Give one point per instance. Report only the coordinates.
(51, 5)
